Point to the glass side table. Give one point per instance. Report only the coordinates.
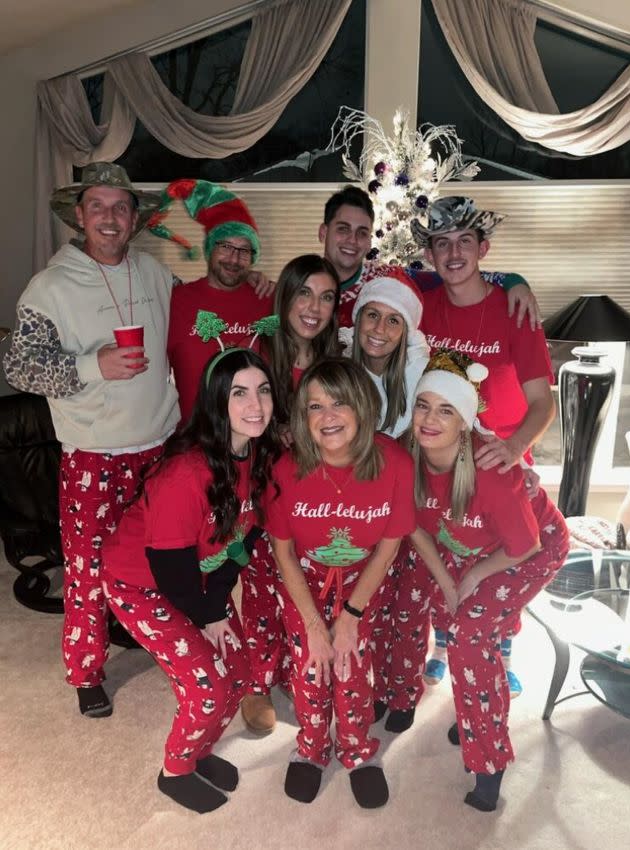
(587, 607)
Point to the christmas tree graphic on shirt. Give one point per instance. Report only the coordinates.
(340, 552)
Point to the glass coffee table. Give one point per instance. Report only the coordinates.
(586, 606)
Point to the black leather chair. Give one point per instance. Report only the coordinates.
(29, 498)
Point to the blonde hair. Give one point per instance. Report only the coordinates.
(345, 381)
(394, 382)
(464, 476)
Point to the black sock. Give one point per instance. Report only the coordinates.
(191, 792)
(485, 794)
(453, 735)
(220, 772)
(380, 708)
(302, 781)
(399, 720)
(94, 702)
(369, 786)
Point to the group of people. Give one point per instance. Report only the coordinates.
(352, 441)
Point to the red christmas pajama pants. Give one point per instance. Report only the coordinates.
(208, 688)
(93, 491)
(402, 630)
(351, 701)
(262, 621)
(480, 689)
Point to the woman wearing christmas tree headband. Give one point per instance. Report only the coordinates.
(345, 502)
(488, 550)
(170, 566)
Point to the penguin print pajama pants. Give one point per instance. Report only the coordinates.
(351, 701)
(93, 491)
(208, 688)
(261, 613)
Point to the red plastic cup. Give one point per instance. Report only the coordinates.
(130, 335)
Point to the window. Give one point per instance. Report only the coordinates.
(204, 75)
(578, 72)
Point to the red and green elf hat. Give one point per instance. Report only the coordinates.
(220, 212)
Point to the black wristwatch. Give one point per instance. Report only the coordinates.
(354, 611)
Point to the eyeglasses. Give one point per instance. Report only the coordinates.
(229, 249)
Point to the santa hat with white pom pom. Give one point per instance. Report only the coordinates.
(455, 377)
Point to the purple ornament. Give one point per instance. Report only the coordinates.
(416, 265)
(374, 186)
(401, 179)
(372, 254)
(422, 202)
(379, 233)
(380, 168)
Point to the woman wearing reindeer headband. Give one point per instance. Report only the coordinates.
(489, 550)
(171, 565)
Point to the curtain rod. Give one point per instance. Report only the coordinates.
(174, 39)
(581, 24)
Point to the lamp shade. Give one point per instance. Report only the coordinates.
(590, 318)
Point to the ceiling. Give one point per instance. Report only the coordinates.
(24, 22)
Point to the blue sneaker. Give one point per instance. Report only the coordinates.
(516, 689)
(434, 671)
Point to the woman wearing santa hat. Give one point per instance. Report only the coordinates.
(489, 549)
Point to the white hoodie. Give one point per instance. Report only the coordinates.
(72, 293)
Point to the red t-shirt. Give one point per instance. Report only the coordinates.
(187, 352)
(500, 514)
(486, 333)
(343, 529)
(172, 514)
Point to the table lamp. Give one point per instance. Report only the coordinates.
(585, 388)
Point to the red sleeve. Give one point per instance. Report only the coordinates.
(276, 518)
(176, 506)
(403, 517)
(508, 510)
(530, 354)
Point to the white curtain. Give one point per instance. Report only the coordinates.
(493, 42)
(288, 40)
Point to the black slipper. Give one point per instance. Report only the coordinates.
(94, 702)
(191, 792)
(302, 781)
(369, 786)
(399, 720)
(453, 735)
(220, 772)
(485, 794)
(380, 709)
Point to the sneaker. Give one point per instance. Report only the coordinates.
(434, 671)
(516, 689)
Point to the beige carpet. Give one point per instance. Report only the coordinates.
(73, 783)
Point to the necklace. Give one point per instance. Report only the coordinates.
(111, 293)
(486, 293)
(338, 487)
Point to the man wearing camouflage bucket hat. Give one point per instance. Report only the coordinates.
(112, 407)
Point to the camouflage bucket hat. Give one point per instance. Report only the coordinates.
(454, 212)
(107, 174)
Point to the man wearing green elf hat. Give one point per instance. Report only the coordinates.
(226, 294)
(112, 407)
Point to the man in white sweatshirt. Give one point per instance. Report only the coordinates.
(112, 407)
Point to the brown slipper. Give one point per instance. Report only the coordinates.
(258, 713)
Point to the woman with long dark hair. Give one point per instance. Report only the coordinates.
(306, 300)
(171, 565)
(345, 502)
